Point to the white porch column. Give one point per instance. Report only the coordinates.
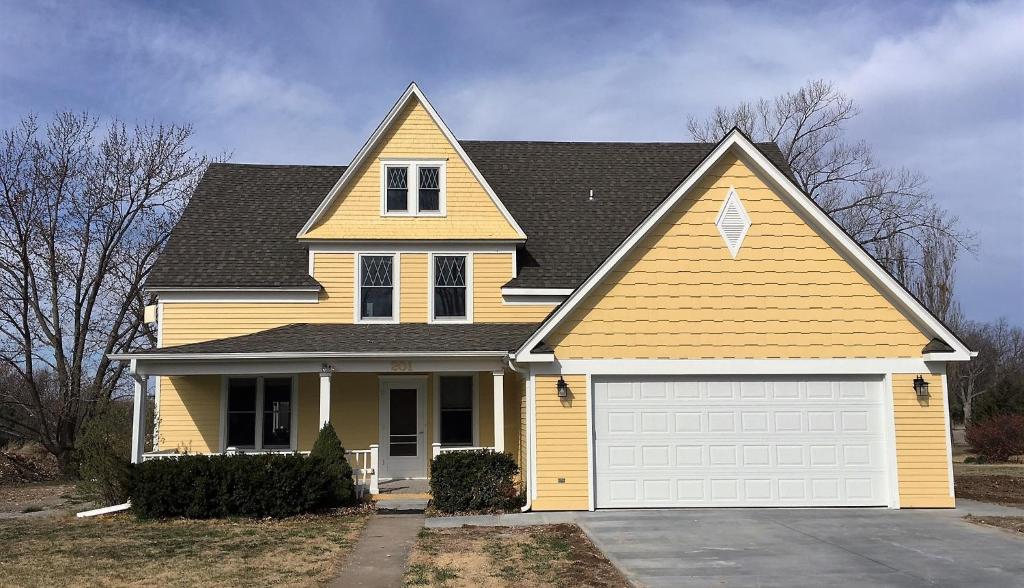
(499, 410)
(139, 418)
(325, 394)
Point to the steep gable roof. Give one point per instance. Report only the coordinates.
(738, 143)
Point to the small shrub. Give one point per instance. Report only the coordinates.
(997, 438)
(104, 455)
(328, 450)
(474, 481)
(970, 459)
(213, 486)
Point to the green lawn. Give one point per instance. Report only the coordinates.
(119, 550)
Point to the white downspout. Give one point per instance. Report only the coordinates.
(510, 361)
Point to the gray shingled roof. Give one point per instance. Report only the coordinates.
(315, 338)
(239, 230)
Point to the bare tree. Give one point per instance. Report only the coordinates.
(888, 211)
(1000, 364)
(84, 210)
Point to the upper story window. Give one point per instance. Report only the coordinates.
(376, 287)
(450, 287)
(413, 188)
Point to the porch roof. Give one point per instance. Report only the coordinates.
(316, 339)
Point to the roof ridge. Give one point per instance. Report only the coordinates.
(611, 143)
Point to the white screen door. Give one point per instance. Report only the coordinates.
(402, 426)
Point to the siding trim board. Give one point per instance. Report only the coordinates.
(736, 142)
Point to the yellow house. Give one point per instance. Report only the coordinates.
(638, 324)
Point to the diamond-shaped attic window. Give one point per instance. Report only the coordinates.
(733, 222)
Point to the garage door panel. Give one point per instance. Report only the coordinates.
(739, 442)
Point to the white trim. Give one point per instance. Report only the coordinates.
(591, 439)
(891, 465)
(683, 367)
(736, 142)
(531, 406)
(163, 290)
(536, 291)
(436, 383)
(354, 167)
(412, 167)
(513, 300)
(385, 383)
(469, 289)
(310, 296)
(417, 246)
(302, 355)
(156, 380)
(312, 262)
(293, 417)
(949, 431)
(396, 282)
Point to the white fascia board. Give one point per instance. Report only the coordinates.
(410, 246)
(949, 356)
(751, 367)
(735, 140)
(536, 291)
(243, 295)
(298, 355)
(412, 91)
(313, 364)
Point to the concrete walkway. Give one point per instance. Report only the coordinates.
(380, 556)
(502, 520)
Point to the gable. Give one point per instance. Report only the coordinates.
(787, 293)
(354, 212)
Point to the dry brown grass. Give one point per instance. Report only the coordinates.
(548, 555)
(119, 550)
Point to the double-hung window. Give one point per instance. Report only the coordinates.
(376, 287)
(258, 413)
(413, 188)
(450, 288)
(456, 408)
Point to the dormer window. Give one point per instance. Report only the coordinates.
(424, 181)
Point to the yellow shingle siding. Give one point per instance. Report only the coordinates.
(562, 445)
(921, 450)
(415, 277)
(787, 294)
(471, 214)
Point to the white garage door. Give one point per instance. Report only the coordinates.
(670, 442)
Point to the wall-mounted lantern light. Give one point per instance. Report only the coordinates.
(563, 388)
(921, 387)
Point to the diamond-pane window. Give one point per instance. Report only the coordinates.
(430, 189)
(733, 222)
(450, 286)
(376, 288)
(397, 178)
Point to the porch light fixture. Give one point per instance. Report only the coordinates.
(563, 388)
(921, 387)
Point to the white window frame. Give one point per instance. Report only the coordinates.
(413, 166)
(469, 288)
(396, 281)
(293, 417)
(437, 405)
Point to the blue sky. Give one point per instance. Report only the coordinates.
(941, 86)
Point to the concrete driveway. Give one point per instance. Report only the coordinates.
(806, 547)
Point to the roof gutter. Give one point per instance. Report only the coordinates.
(301, 355)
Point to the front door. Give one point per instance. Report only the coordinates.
(402, 427)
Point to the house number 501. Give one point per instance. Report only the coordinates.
(401, 366)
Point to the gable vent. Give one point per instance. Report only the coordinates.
(733, 222)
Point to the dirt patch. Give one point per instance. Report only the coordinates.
(21, 464)
(1014, 524)
(998, 483)
(120, 550)
(27, 498)
(548, 555)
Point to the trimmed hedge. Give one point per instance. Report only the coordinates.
(997, 438)
(212, 486)
(480, 480)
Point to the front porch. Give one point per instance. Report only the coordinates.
(391, 423)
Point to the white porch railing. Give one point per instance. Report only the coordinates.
(437, 449)
(365, 467)
(364, 462)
